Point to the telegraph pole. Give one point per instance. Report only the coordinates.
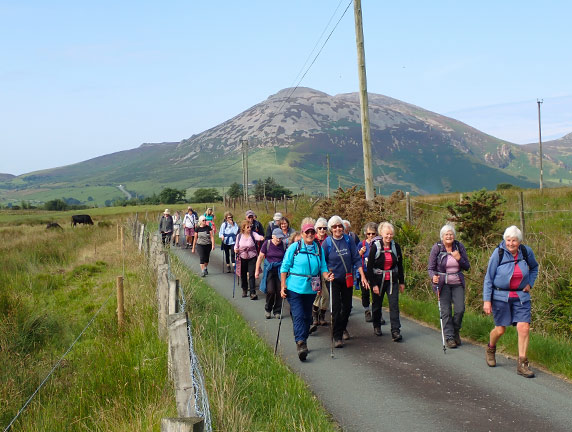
(364, 105)
(328, 175)
(244, 143)
(539, 101)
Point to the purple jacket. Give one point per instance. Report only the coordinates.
(438, 261)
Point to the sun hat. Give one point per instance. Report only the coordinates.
(167, 212)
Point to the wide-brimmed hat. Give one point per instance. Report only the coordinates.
(167, 211)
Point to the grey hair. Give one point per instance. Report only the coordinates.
(445, 229)
(371, 226)
(512, 232)
(335, 220)
(346, 223)
(307, 220)
(385, 225)
(202, 218)
(321, 222)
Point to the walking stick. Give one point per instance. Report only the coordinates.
(331, 323)
(441, 321)
(222, 250)
(279, 325)
(233, 281)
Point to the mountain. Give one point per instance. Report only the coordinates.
(289, 135)
(558, 151)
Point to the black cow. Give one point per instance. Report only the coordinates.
(53, 225)
(81, 219)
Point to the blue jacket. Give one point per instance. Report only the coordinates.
(348, 253)
(499, 276)
(307, 262)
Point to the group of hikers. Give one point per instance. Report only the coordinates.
(317, 268)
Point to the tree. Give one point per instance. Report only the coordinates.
(206, 195)
(477, 215)
(56, 205)
(235, 190)
(172, 196)
(271, 189)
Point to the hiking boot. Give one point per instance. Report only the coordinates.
(302, 350)
(253, 296)
(277, 316)
(228, 268)
(457, 338)
(367, 315)
(346, 335)
(382, 321)
(396, 336)
(377, 331)
(322, 317)
(206, 271)
(203, 273)
(490, 355)
(244, 293)
(451, 343)
(315, 321)
(523, 369)
(267, 315)
(338, 343)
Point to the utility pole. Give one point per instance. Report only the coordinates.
(539, 101)
(244, 143)
(327, 175)
(364, 105)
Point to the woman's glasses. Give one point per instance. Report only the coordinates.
(337, 226)
(322, 228)
(369, 234)
(310, 231)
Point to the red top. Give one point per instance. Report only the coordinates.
(388, 261)
(515, 280)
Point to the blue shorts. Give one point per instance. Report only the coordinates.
(511, 312)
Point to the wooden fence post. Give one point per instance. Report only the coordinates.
(183, 382)
(186, 424)
(162, 299)
(120, 303)
(173, 296)
(522, 224)
(285, 205)
(141, 233)
(408, 207)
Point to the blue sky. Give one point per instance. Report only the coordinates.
(84, 79)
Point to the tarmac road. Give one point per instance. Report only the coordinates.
(375, 384)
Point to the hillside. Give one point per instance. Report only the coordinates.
(289, 136)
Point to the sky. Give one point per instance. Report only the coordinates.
(84, 79)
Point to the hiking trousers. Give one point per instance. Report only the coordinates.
(341, 306)
(452, 296)
(392, 298)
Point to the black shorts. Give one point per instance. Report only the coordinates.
(204, 253)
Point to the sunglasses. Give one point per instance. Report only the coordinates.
(322, 228)
(337, 226)
(310, 231)
(369, 234)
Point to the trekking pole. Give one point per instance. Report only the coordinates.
(441, 321)
(331, 323)
(222, 265)
(279, 325)
(233, 281)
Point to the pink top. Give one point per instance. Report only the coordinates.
(515, 280)
(245, 246)
(452, 266)
(388, 263)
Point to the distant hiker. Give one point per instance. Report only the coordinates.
(166, 227)
(370, 231)
(228, 231)
(384, 273)
(210, 218)
(272, 225)
(190, 222)
(348, 231)
(177, 221)
(447, 260)
(322, 301)
(271, 255)
(256, 227)
(300, 273)
(341, 256)
(247, 251)
(204, 243)
(283, 231)
(510, 276)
